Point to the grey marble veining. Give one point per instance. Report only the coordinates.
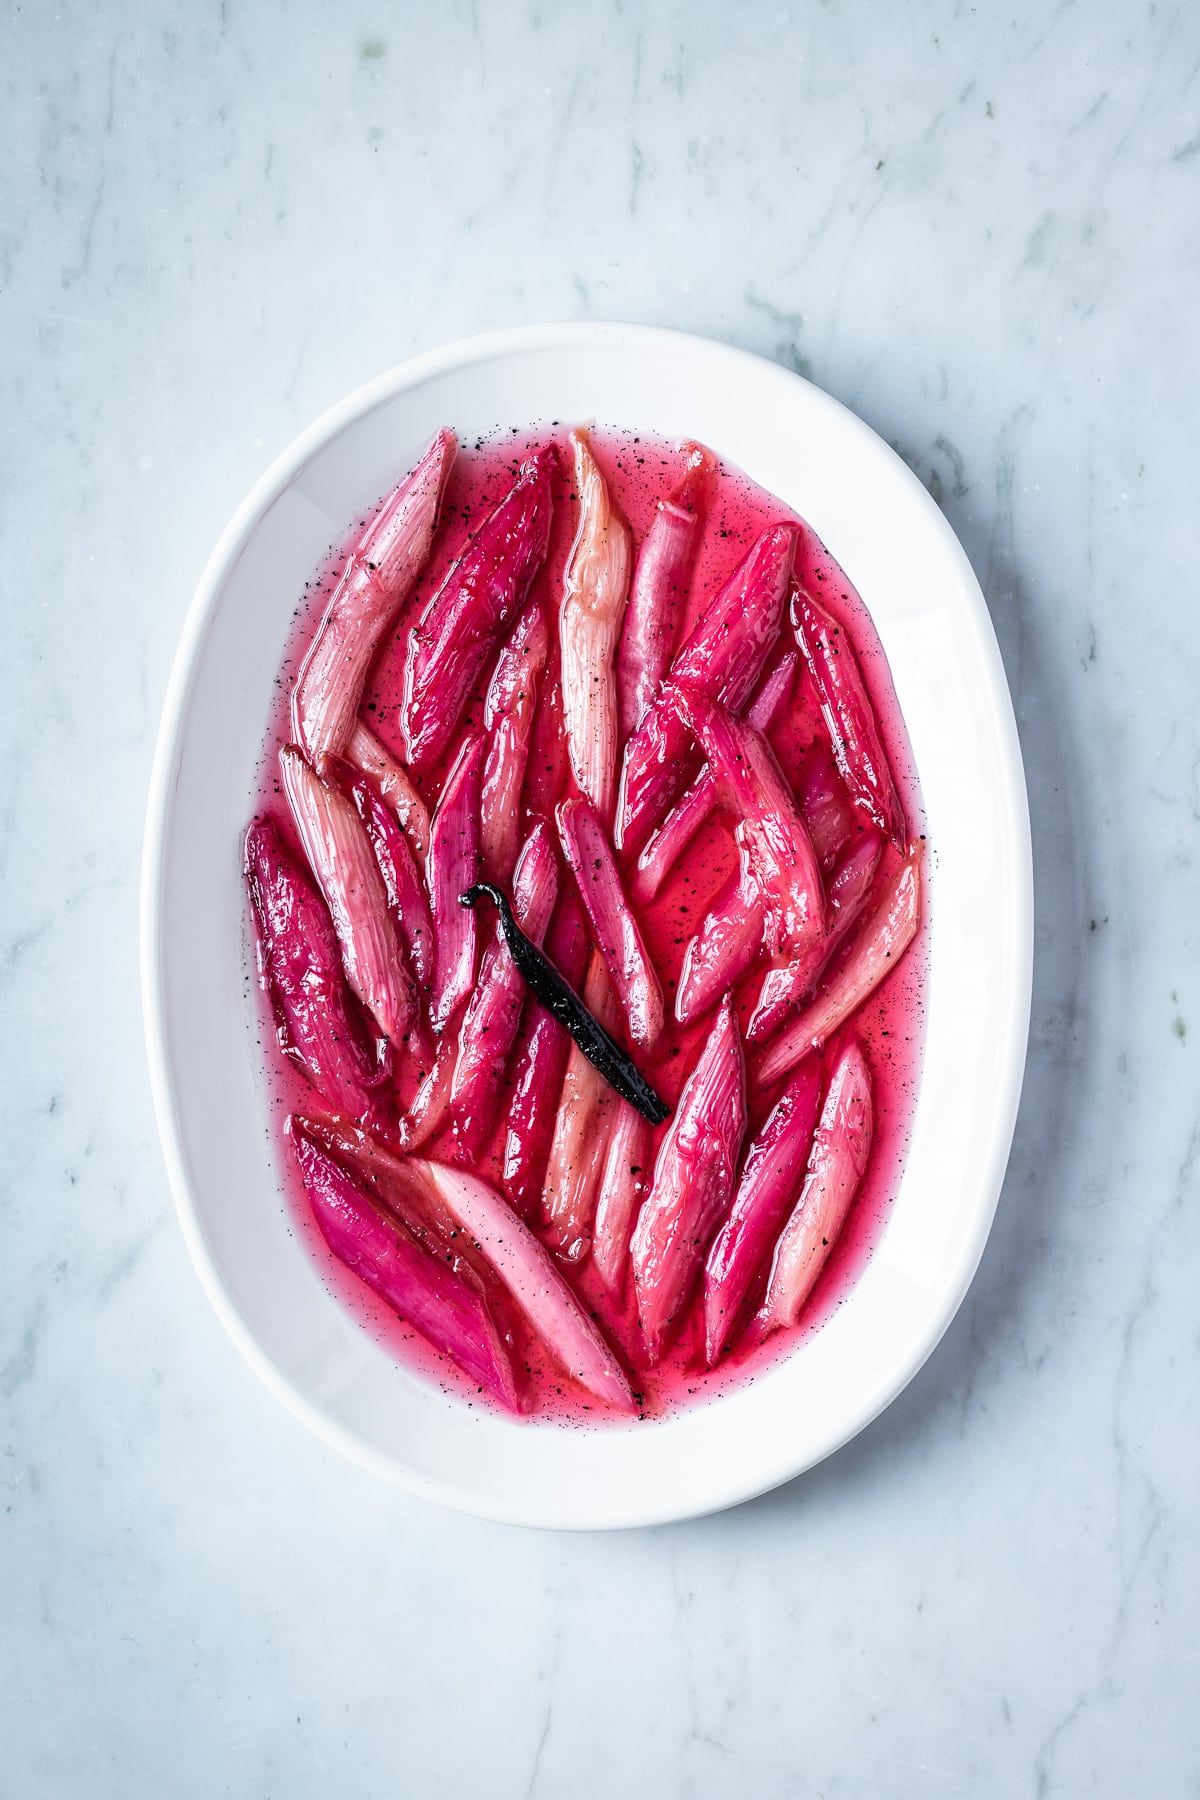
(980, 229)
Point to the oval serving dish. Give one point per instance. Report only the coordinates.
(885, 531)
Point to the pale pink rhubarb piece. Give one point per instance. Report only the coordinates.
(618, 935)
(589, 624)
(725, 946)
(401, 1186)
(788, 984)
(828, 814)
(394, 782)
(378, 578)
(693, 1184)
(401, 877)
(429, 1112)
(377, 1248)
(508, 716)
(658, 595)
(586, 1109)
(340, 856)
(840, 1148)
(870, 956)
(527, 1269)
(452, 867)
(624, 1184)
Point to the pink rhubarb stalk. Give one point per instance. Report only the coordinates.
(340, 855)
(866, 960)
(366, 752)
(375, 583)
(430, 1109)
(401, 1187)
(692, 1186)
(538, 1079)
(722, 659)
(452, 867)
(494, 1011)
(789, 984)
(392, 1179)
(840, 1148)
(462, 624)
(771, 1177)
(589, 623)
(681, 824)
(624, 1184)
(300, 966)
(847, 710)
(508, 716)
(586, 1110)
(724, 947)
(830, 818)
(617, 933)
(527, 1269)
(770, 828)
(659, 592)
(405, 889)
(377, 1248)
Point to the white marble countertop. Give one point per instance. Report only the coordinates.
(981, 234)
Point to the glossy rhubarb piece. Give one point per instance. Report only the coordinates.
(692, 1185)
(724, 947)
(867, 959)
(847, 710)
(429, 1112)
(527, 1269)
(840, 1148)
(300, 965)
(586, 1109)
(401, 1186)
(538, 1077)
(494, 1010)
(376, 581)
(401, 878)
(464, 621)
(830, 818)
(617, 933)
(376, 1247)
(788, 984)
(725, 653)
(394, 782)
(770, 826)
(340, 856)
(508, 716)
(452, 866)
(665, 846)
(392, 1179)
(624, 1184)
(659, 591)
(770, 1181)
(595, 587)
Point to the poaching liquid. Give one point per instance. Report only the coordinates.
(639, 469)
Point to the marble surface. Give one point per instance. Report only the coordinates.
(978, 228)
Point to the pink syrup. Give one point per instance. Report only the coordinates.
(639, 469)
